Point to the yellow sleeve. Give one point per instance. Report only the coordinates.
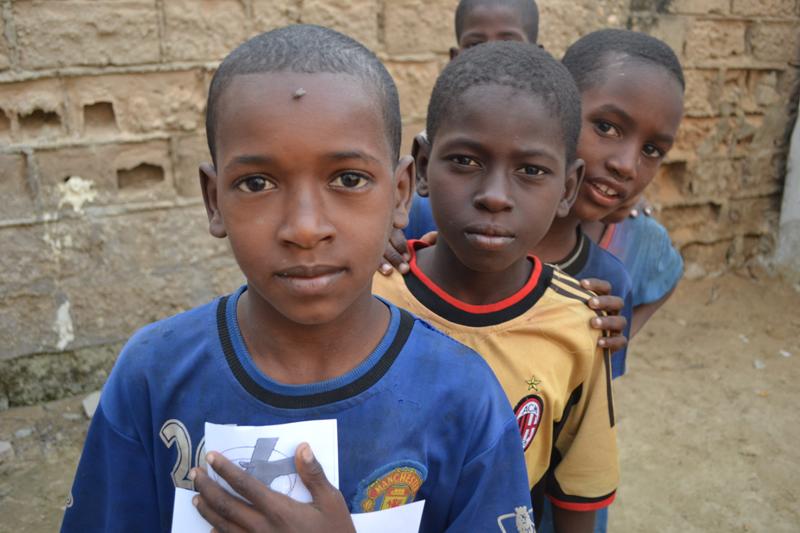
(584, 467)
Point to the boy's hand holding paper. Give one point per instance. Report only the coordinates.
(270, 510)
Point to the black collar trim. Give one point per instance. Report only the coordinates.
(576, 260)
(353, 388)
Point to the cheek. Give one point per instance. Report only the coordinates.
(645, 176)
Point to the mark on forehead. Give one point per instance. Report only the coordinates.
(299, 93)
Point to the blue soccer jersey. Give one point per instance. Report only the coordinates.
(422, 417)
(588, 260)
(644, 247)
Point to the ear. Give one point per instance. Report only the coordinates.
(454, 50)
(403, 193)
(572, 184)
(208, 184)
(421, 151)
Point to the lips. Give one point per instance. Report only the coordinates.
(309, 280)
(606, 192)
(489, 237)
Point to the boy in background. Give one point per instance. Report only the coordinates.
(481, 21)
(303, 127)
(499, 165)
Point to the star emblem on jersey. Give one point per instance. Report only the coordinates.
(533, 383)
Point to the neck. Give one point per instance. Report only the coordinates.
(561, 238)
(439, 263)
(296, 354)
(594, 230)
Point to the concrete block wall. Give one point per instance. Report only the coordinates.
(101, 130)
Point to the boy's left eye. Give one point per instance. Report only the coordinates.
(531, 170)
(650, 150)
(350, 180)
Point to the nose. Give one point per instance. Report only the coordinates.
(305, 222)
(494, 194)
(625, 161)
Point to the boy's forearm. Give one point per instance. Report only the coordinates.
(642, 313)
(565, 521)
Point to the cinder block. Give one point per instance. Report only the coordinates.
(698, 136)
(167, 254)
(562, 23)
(14, 189)
(698, 7)
(359, 20)
(35, 110)
(112, 173)
(405, 21)
(714, 39)
(143, 103)
(64, 33)
(702, 91)
(769, 8)
(267, 15)
(5, 55)
(671, 29)
(414, 81)
(774, 41)
(188, 152)
(203, 30)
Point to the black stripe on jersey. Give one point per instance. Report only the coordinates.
(572, 282)
(606, 352)
(444, 309)
(576, 259)
(609, 393)
(311, 400)
(550, 481)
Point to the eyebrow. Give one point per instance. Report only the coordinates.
(248, 160)
(611, 108)
(352, 154)
(479, 147)
(251, 159)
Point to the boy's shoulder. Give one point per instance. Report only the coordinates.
(602, 264)
(429, 351)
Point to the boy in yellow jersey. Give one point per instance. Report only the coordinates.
(499, 165)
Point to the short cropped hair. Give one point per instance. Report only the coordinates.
(588, 57)
(528, 12)
(308, 49)
(522, 67)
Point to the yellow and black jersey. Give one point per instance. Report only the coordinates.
(545, 355)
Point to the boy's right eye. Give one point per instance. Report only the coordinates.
(464, 160)
(254, 184)
(606, 128)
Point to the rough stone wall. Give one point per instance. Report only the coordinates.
(102, 229)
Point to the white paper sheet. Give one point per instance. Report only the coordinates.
(185, 518)
(403, 519)
(267, 452)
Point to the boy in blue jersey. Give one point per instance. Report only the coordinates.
(303, 128)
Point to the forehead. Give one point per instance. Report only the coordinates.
(497, 115)
(485, 18)
(334, 109)
(645, 91)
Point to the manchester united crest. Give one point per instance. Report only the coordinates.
(529, 412)
(391, 486)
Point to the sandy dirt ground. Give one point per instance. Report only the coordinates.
(707, 418)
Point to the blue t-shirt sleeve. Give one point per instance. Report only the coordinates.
(114, 488)
(420, 218)
(493, 486)
(658, 266)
